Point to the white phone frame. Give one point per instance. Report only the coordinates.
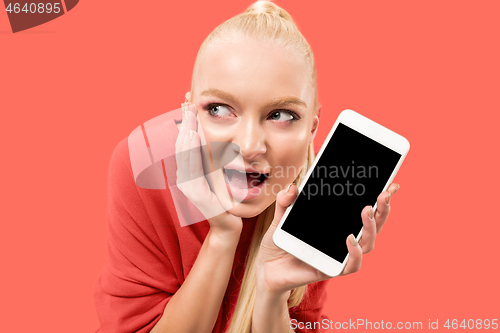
(374, 131)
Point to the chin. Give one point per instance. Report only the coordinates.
(249, 210)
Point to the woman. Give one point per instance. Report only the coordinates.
(254, 85)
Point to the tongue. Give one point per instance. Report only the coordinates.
(238, 179)
(242, 181)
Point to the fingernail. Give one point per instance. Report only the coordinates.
(396, 189)
(191, 134)
(288, 188)
(370, 213)
(184, 108)
(353, 240)
(388, 198)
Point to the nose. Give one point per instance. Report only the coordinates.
(251, 138)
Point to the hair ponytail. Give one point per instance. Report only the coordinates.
(268, 7)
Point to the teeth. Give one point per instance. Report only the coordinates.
(244, 172)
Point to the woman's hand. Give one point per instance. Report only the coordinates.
(279, 272)
(192, 182)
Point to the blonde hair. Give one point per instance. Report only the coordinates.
(263, 21)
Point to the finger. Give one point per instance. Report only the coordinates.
(186, 151)
(283, 200)
(191, 146)
(193, 109)
(199, 187)
(181, 149)
(191, 117)
(355, 256)
(383, 206)
(195, 163)
(190, 124)
(367, 241)
(182, 131)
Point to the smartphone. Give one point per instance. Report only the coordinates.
(358, 161)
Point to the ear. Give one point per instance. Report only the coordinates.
(188, 96)
(314, 129)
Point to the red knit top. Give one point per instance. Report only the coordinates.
(150, 255)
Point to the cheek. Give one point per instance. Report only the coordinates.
(214, 131)
(288, 155)
(289, 141)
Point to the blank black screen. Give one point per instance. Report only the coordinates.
(350, 174)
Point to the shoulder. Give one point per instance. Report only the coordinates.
(121, 180)
(119, 168)
(120, 158)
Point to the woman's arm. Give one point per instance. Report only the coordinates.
(270, 313)
(195, 306)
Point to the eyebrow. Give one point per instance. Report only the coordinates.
(285, 100)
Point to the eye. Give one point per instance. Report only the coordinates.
(284, 116)
(218, 110)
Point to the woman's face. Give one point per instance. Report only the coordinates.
(259, 97)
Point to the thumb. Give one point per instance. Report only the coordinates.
(284, 199)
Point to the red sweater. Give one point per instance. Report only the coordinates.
(150, 255)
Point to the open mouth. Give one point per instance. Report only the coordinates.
(244, 180)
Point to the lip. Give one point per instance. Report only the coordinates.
(247, 169)
(240, 194)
